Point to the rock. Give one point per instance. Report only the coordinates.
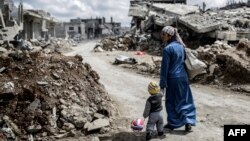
(212, 68)
(2, 69)
(98, 49)
(55, 75)
(7, 132)
(86, 125)
(3, 50)
(98, 124)
(207, 46)
(33, 106)
(217, 46)
(98, 116)
(68, 126)
(9, 85)
(243, 44)
(59, 136)
(70, 64)
(12, 125)
(34, 128)
(30, 138)
(245, 88)
(42, 83)
(95, 139)
(79, 122)
(62, 101)
(56, 84)
(104, 130)
(44, 134)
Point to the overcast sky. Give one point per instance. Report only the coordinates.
(64, 10)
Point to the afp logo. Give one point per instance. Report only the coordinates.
(236, 132)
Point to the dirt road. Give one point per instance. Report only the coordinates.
(128, 89)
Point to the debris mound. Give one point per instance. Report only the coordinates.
(50, 96)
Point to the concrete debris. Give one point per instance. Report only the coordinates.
(221, 58)
(95, 139)
(130, 42)
(44, 109)
(42, 83)
(244, 45)
(2, 69)
(8, 133)
(200, 23)
(223, 61)
(98, 124)
(229, 24)
(98, 116)
(121, 59)
(34, 128)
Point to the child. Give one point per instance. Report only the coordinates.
(152, 110)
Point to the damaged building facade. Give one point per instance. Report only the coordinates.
(9, 24)
(38, 24)
(75, 29)
(27, 24)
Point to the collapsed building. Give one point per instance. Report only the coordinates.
(229, 25)
(219, 38)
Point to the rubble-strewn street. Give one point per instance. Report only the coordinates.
(216, 107)
(222, 60)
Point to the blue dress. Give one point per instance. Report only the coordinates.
(179, 100)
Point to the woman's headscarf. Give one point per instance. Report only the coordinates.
(174, 33)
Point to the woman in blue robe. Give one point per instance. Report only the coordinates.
(174, 78)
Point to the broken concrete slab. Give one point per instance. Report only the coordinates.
(227, 35)
(176, 9)
(121, 59)
(98, 116)
(55, 75)
(34, 128)
(200, 23)
(3, 50)
(98, 124)
(164, 21)
(12, 125)
(2, 69)
(137, 11)
(95, 139)
(8, 133)
(42, 83)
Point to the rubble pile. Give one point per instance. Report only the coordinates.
(226, 65)
(144, 67)
(127, 42)
(115, 43)
(54, 45)
(50, 96)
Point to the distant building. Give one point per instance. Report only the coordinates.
(93, 27)
(75, 29)
(10, 26)
(159, 1)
